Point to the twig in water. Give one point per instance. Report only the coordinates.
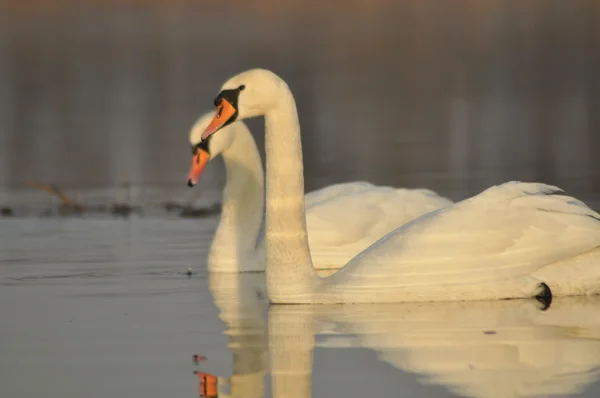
(66, 203)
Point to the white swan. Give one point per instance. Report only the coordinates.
(510, 241)
(334, 237)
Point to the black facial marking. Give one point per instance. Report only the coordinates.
(201, 145)
(230, 96)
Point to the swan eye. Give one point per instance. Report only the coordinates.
(241, 87)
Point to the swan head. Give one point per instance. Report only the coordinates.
(204, 150)
(249, 94)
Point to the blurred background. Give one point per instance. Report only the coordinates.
(453, 96)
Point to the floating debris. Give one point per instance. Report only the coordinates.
(67, 206)
(123, 210)
(197, 358)
(196, 212)
(121, 207)
(173, 206)
(189, 211)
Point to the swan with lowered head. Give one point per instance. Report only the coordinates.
(515, 240)
(334, 237)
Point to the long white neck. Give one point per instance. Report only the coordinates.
(290, 273)
(234, 246)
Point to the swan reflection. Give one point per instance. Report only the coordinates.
(510, 348)
(238, 298)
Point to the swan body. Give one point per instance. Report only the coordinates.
(342, 219)
(514, 240)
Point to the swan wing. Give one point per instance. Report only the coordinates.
(507, 231)
(348, 213)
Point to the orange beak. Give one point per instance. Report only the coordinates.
(199, 160)
(225, 111)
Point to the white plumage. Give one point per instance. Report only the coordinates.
(342, 219)
(506, 242)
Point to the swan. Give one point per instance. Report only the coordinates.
(333, 237)
(514, 240)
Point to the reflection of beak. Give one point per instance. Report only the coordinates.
(225, 111)
(197, 358)
(199, 160)
(208, 384)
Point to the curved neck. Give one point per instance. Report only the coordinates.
(290, 274)
(234, 246)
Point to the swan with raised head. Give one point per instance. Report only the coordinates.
(515, 240)
(342, 219)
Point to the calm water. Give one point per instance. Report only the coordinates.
(97, 308)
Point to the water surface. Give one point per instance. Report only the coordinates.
(103, 307)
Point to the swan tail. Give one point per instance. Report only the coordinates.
(577, 276)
